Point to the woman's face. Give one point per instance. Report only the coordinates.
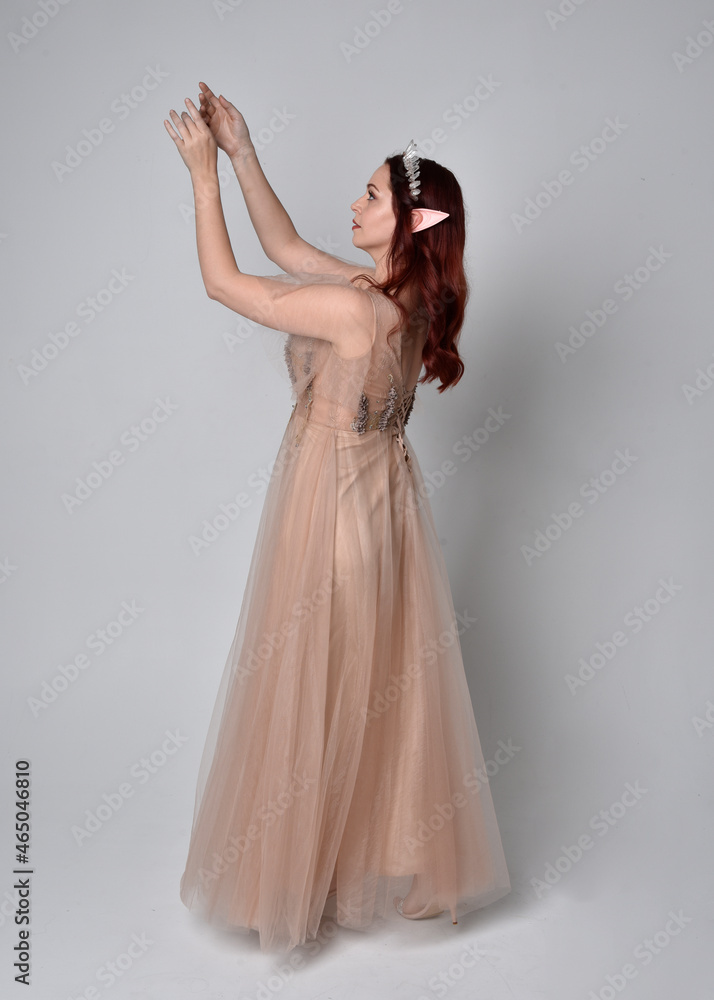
(374, 214)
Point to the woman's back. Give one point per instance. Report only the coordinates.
(368, 391)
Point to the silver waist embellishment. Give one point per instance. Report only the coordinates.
(403, 411)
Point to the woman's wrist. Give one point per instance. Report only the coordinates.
(204, 176)
(206, 186)
(244, 155)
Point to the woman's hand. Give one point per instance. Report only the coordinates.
(226, 123)
(194, 141)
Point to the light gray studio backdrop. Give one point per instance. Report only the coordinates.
(570, 472)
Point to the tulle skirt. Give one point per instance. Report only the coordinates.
(343, 747)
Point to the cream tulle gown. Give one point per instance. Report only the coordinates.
(343, 747)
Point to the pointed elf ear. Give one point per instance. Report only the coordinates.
(423, 218)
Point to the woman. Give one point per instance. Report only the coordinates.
(342, 758)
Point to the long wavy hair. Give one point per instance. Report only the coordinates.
(430, 261)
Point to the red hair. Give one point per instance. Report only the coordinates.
(432, 262)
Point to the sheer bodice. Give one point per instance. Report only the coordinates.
(374, 391)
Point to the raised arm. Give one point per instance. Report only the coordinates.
(343, 315)
(271, 222)
(273, 226)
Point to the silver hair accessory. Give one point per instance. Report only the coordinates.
(411, 165)
(426, 216)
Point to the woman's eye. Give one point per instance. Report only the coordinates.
(369, 195)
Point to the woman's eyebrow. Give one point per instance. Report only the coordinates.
(370, 184)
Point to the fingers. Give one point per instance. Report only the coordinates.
(193, 116)
(204, 98)
(207, 110)
(180, 123)
(176, 125)
(176, 135)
